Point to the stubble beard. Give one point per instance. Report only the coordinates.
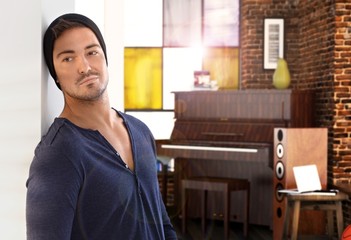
(91, 94)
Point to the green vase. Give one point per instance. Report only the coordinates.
(281, 76)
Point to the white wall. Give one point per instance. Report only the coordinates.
(114, 41)
(30, 99)
(20, 89)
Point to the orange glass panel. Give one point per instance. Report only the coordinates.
(143, 78)
(223, 65)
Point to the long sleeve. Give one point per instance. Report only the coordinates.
(170, 233)
(53, 187)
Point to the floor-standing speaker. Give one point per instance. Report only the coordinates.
(296, 147)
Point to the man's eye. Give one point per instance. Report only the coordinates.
(67, 59)
(93, 53)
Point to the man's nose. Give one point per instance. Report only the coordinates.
(84, 65)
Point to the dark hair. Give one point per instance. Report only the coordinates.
(60, 25)
(64, 25)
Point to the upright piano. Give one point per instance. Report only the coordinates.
(229, 133)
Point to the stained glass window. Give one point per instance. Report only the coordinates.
(221, 23)
(182, 23)
(167, 40)
(143, 23)
(178, 68)
(143, 78)
(223, 65)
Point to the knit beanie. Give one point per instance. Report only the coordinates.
(50, 38)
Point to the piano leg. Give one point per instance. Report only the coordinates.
(226, 197)
(203, 212)
(261, 186)
(183, 209)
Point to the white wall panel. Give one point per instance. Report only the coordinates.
(20, 108)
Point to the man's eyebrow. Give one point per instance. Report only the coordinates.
(92, 46)
(64, 52)
(72, 51)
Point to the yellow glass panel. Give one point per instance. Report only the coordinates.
(143, 78)
(223, 65)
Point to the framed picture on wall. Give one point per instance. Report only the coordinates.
(273, 42)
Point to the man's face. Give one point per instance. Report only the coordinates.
(80, 64)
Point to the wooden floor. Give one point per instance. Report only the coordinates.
(214, 231)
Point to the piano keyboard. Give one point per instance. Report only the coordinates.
(209, 148)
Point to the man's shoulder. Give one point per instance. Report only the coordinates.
(61, 139)
(60, 133)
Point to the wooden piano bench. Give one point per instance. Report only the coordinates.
(224, 185)
(299, 202)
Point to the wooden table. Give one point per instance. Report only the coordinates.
(344, 187)
(327, 203)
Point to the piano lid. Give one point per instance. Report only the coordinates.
(224, 132)
(293, 106)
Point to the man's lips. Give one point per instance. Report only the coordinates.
(88, 80)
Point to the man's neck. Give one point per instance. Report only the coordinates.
(92, 115)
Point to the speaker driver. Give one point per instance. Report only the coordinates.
(279, 196)
(279, 170)
(280, 150)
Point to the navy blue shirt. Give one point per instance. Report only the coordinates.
(79, 187)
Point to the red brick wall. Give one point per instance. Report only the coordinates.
(318, 53)
(252, 19)
(342, 93)
(341, 158)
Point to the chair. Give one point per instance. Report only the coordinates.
(299, 202)
(224, 185)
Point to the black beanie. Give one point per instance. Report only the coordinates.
(50, 38)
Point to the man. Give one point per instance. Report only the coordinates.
(94, 173)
